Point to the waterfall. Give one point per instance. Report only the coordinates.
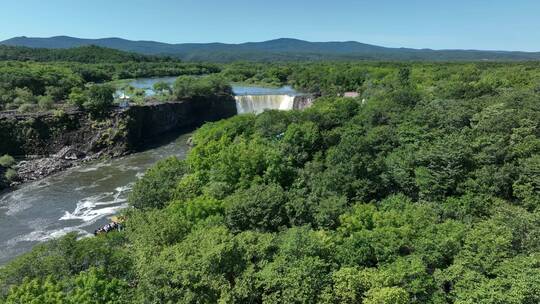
(258, 103)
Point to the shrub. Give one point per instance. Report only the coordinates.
(189, 86)
(156, 188)
(77, 97)
(24, 96)
(26, 107)
(60, 113)
(7, 161)
(45, 103)
(261, 207)
(11, 175)
(99, 99)
(162, 87)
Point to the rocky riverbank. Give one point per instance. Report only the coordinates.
(49, 143)
(36, 168)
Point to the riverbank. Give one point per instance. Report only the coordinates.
(78, 199)
(47, 143)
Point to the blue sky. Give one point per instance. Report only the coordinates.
(470, 24)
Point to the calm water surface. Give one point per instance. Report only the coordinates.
(148, 83)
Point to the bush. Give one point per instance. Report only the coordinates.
(99, 99)
(7, 161)
(26, 107)
(45, 103)
(189, 86)
(161, 87)
(24, 96)
(59, 113)
(11, 175)
(77, 97)
(262, 207)
(156, 188)
(385, 295)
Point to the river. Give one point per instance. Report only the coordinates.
(241, 90)
(81, 199)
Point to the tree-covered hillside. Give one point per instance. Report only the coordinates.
(283, 49)
(423, 190)
(83, 54)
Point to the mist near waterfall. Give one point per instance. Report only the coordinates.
(258, 103)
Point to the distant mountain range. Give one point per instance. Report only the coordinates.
(284, 49)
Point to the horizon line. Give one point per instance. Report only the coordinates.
(274, 39)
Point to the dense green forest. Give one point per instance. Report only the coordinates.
(425, 189)
(40, 79)
(83, 54)
(44, 79)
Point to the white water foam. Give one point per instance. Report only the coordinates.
(258, 103)
(14, 203)
(95, 207)
(88, 210)
(41, 235)
(125, 168)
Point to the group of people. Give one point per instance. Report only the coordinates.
(108, 228)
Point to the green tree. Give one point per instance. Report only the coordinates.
(261, 207)
(100, 99)
(162, 87)
(386, 295)
(37, 291)
(189, 86)
(93, 286)
(77, 97)
(156, 188)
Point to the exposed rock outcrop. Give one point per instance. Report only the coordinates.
(51, 143)
(303, 101)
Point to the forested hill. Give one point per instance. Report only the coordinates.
(424, 190)
(284, 49)
(82, 54)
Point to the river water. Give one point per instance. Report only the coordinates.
(241, 90)
(81, 199)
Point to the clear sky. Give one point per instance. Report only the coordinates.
(439, 24)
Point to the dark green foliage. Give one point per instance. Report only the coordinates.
(99, 99)
(7, 173)
(7, 161)
(282, 49)
(261, 207)
(66, 257)
(423, 190)
(189, 86)
(49, 77)
(84, 54)
(155, 189)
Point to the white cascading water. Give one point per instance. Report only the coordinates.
(258, 103)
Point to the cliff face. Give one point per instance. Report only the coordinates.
(303, 102)
(146, 122)
(49, 143)
(38, 134)
(123, 131)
